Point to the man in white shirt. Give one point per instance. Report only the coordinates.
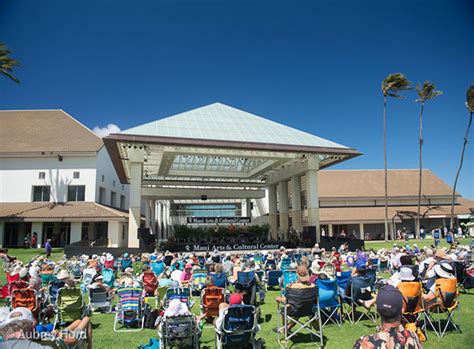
(176, 275)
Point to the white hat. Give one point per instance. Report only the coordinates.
(109, 257)
(23, 272)
(444, 270)
(129, 270)
(62, 275)
(406, 274)
(282, 248)
(19, 313)
(315, 267)
(293, 265)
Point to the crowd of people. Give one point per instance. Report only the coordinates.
(387, 270)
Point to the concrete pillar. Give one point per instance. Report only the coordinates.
(330, 230)
(248, 208)
(114, 233)
(153, 216)
(76, 232)
(361, 231)
(2, 233)
(312, 195)
(158, 219)
(283, 198)
(136, 169)
(147, 213)
(37, 227)
(272, 210)
(296, 203)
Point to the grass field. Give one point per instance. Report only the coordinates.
(335, 337)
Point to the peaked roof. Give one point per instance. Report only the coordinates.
(37, 131)
(221, 122)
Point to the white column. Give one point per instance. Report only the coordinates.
(147, 213)
(272, 209)
(158, 219)
(153, 217)
(312, 195)
(76, 232)
(330, 229)
(248, 208)
(114, 233)
(37, 227)
(136, 169)
(296, 203)
(361, 231)
(2, 233)
(283, 197)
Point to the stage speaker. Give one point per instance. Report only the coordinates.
(251, 205)
(309, 235)
(147, 240)
(203, 197)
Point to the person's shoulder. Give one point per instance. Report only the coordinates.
(365, 342)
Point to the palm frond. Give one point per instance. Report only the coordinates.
(426, 91)
(470, 98)
(393, 84)
(7, 64)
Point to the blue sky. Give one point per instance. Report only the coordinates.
(313, 65)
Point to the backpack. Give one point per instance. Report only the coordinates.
(150, 316)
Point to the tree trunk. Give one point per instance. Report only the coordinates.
(417, 228)
(451, 225)
(385, 163)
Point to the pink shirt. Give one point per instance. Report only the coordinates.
(186, 276)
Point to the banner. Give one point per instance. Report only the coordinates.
(230, 247)
(218, 220)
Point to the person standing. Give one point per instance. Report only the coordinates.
(422, 232)
(436, 236)
(48, 248)
(34, 240)
(26, 240)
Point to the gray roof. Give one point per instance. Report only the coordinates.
(221, 122)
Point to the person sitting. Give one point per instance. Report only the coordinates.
(390, 334)
(360, 271)
(149, 280)
(441, 271)
(187, 275)
(176, 275)
(18, 329)
(234, 299)
(219, 277)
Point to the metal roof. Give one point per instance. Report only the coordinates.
(221, 122)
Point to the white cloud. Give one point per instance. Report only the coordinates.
(105, 131)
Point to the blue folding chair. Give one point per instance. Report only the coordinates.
(108, 276)
(273, 278)
(220, 280)
(239, 327)
(328, 301)
(289, 277)
(285, 264)
(246, 284)
(158, 267)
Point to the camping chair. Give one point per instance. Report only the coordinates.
(199, 280)
(239, 327)
(108, 276)
(183, 294)
(99, 299)
(247, 285)
(446, 304)
(129, 309)
(180, 331)
(87, 276)
(158, 267)
(289, 277)
(150, 283)
(211, 298)
(162, 294)
(462, 276)
(383, 265)
(25, 298)
(361, 290)
(273, 278)
(75, 271)
(342, 279)
(53, 289)
(285, 264)
(300, 302)
(412, 300)
(70, 305)
(46, 278)
(220, 280)
(328, 302)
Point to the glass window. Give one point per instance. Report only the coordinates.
(42, 175)
(76, 193)
(102, 195)
(113, 198)
(122, 202)
(113, 183)
(103, 178)
(75, 174)
(41, 193)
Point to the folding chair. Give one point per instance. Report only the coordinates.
(108, 276)
(183, 294)
(239, 327)
(25, 298)
(412, 300)
(199, 279)
(300, 302)
(70, 305)
(150, 283)
(446, 304)
(129, 310)
(328, 302)
(158, 267)
(361, 290)
(289, 277)
(342, 279)
(99, 299)
(246, 284)
(220, 280)
(54, 288)
(211, 298)
(285, 264)
(273, 278)
(87, 276)
(179, 331)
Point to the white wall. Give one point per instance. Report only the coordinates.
(18, 175)
(111, 181)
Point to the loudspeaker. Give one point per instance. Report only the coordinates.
(147, 240)
(203, 197)
(309, 235)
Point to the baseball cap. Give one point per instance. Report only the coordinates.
(235, 298)
(360, 265)
(389, 301)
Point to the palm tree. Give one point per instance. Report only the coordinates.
(425, 92)
(392, 85)
(470, 108)
(7, 63)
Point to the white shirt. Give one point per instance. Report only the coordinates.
(176, 275)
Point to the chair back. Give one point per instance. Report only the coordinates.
(238, 327)
(342, 279)
(246, 278)
(447, 292)
(211, 299)
(361, 289)
(108, 276)
(199, 278)
(220, 280)
(412, 296)
(25, 298)
(158, 267)
(87, 275)
(162, 292)
(327, 296)
(302, 300)
(70, 303)
(285, 264)
(53, 289)
(289, 277)
(17, 285)
(13, 278)
(273, 277)
(179, 330)
(97, 295)
(150, 282)
(183, 294)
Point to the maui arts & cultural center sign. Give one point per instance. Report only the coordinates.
(218, 220)
(229, 247)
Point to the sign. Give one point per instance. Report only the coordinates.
(218, 220)
(229, 247)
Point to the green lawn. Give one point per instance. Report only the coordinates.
(335, 337)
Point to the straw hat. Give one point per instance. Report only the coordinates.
(302, 273)
(440, 253)
(62, 275)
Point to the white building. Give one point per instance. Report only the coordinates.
(57, 180)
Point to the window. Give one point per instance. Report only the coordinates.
(113, 183)
(76, 192)
(113, 198)
(42, 175)
(102, 195)
(123, 187)
(41, 193)
(123, 232)
(75, 174)
(103, 178)
(122, 202)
